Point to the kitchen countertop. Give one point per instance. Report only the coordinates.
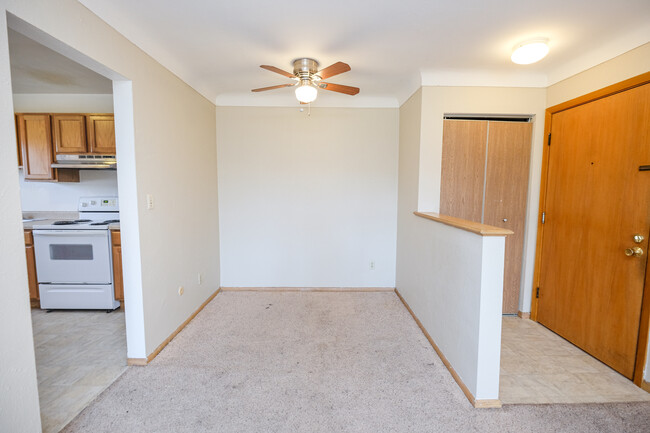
(30, 219)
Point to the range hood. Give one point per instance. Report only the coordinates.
(93, 162)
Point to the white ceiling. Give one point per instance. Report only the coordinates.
(392, 46)
(37, 69)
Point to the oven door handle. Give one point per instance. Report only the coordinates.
(69, 232)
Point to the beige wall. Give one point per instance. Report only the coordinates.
(628, 65)
(452, 279)
(19, 410)
(307, 200)
(165, 147)
(410, 118)
(62, 103)
(438, 101)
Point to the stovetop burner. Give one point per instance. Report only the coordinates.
(103, 223)
(63, 223)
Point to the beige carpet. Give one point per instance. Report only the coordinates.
(316, 362)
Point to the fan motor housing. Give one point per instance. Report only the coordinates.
(305, 67)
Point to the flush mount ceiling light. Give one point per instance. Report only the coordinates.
(530, 51)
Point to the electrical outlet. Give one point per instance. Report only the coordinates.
(200, 278)
(372, 265)
(181, 290)
(149, 201)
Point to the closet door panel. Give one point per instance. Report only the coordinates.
(463, 168)
(506, 191)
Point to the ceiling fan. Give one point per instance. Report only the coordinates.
(309, 79)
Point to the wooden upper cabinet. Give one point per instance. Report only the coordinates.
(34, 134)
(69, 133)
(20, 152)
(101, 133)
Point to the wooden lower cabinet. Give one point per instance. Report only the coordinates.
(31, 270)
(117, 265)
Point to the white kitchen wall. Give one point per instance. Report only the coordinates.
(53, 196)
(307, 201)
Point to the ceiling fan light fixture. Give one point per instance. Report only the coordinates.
(306, 93)
(530, 51)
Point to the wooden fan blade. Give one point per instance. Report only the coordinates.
(262, 89)
(277, 71)
(335, 69)
(348, 90)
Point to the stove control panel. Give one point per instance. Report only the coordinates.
(98, 204)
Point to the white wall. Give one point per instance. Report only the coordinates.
(64, 196)
(437, 101)
(628, 65)
(62, 103)
(19, 410)
(451, 279)
(172, 155)
(307, 201)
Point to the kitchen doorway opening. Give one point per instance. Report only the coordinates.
(75, 150)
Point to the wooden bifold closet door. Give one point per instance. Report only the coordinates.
(485, 170)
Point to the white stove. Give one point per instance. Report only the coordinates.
(73, 258)
(95, 213)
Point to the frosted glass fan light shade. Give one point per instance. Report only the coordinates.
(530, 51)
(306, 93)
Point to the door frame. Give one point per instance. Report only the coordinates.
(644, 324)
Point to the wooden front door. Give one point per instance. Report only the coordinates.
(597, 200)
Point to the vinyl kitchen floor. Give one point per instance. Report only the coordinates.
(539, 366)
(78, 354)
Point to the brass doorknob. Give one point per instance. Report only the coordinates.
(638, 238)
(634, 251)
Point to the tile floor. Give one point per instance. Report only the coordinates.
(538, 366)
(78, 354)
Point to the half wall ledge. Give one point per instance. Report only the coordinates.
(470, 226)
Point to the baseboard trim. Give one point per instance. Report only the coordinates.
(308, 289)
(137, 362)
(141, 362)
(523, 315)
(645, 386)
(487, 404)
(479, 404)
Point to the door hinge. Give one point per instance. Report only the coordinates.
(549, 139)
(537, 293)
(543, 217)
